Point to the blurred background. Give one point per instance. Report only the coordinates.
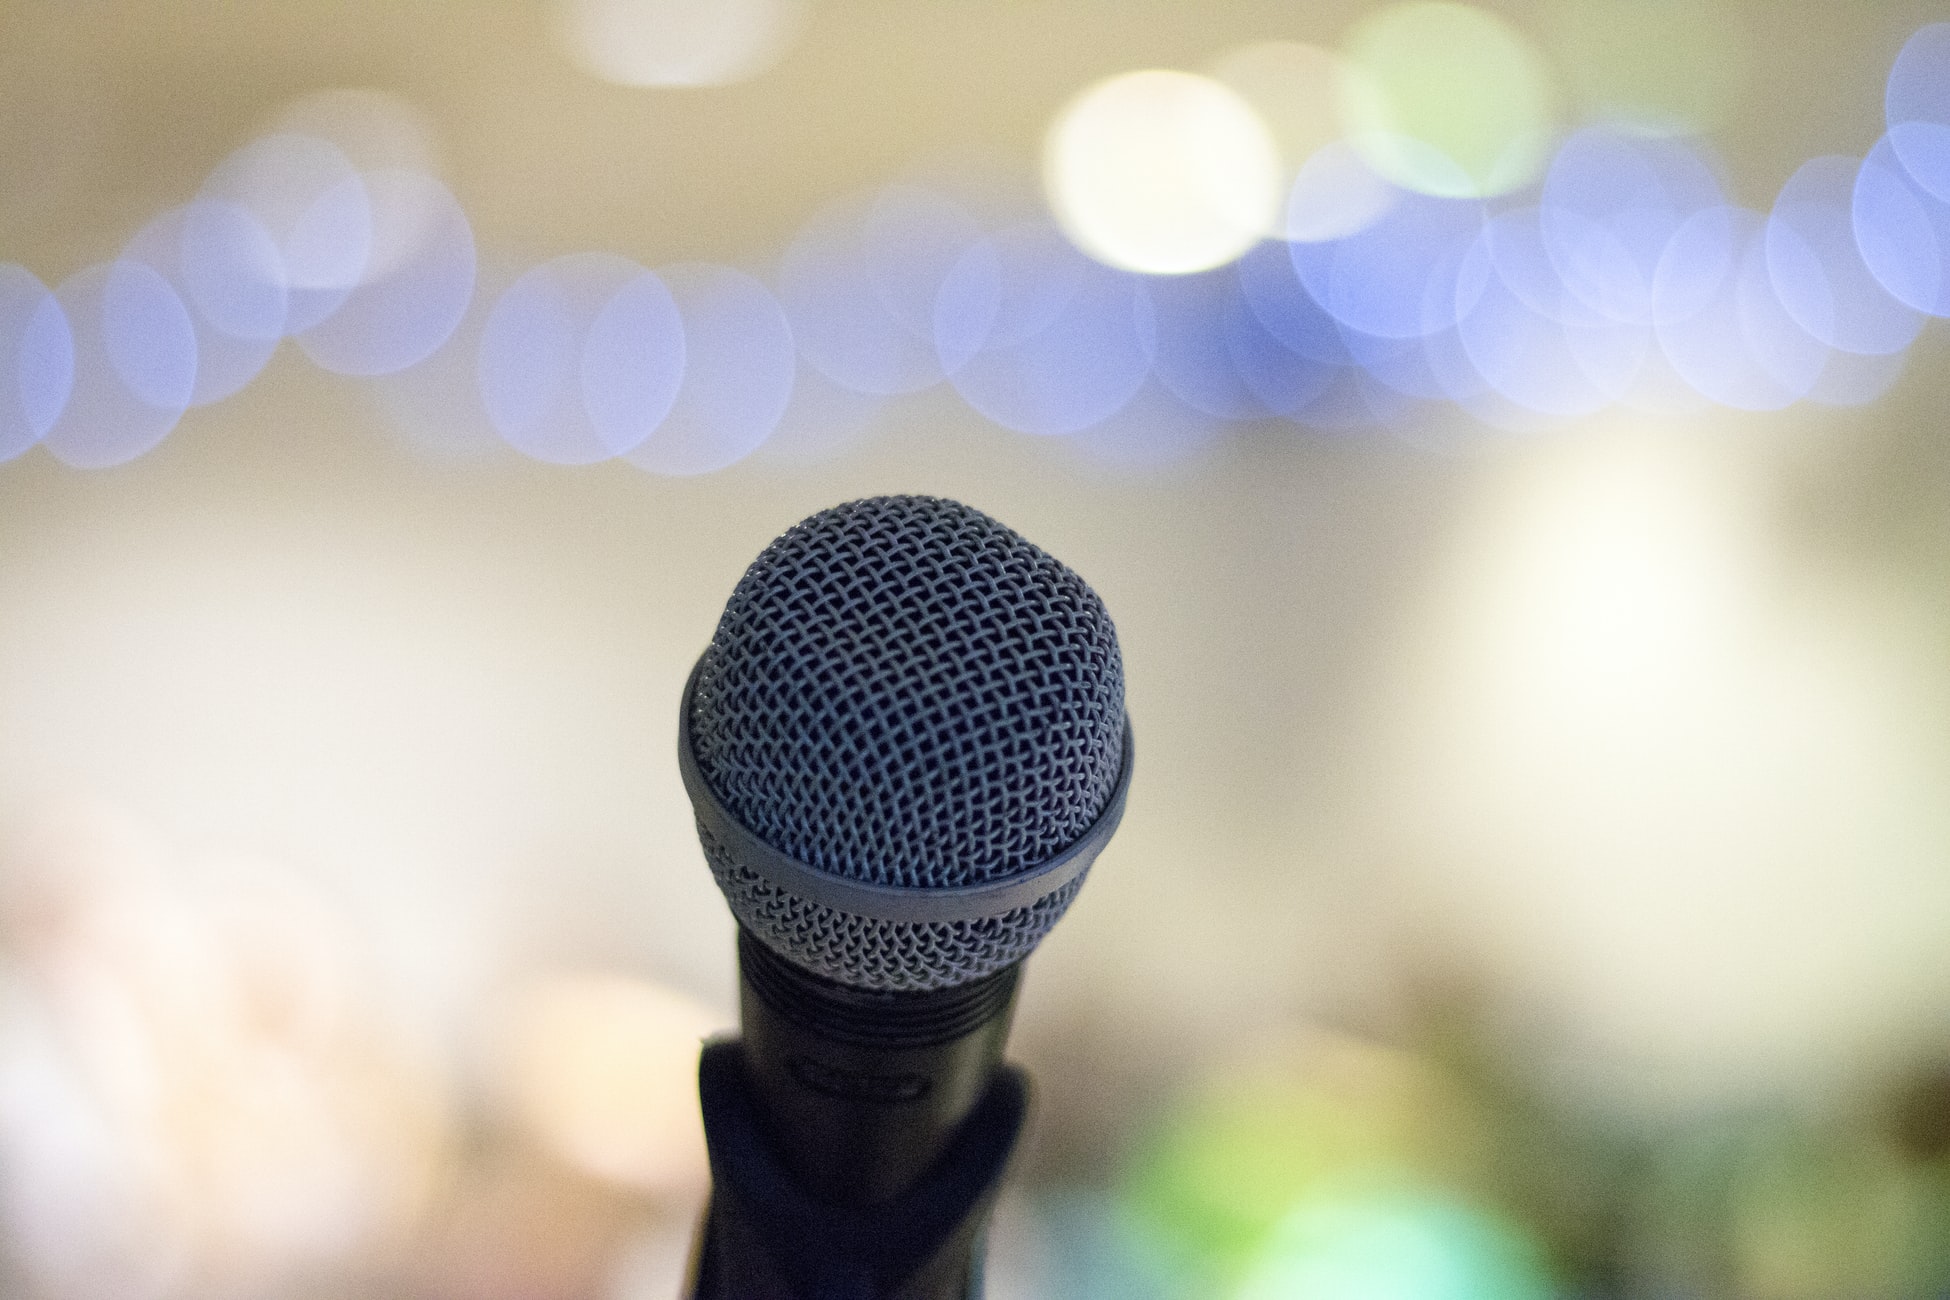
(1510, 438)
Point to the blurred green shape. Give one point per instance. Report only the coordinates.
(1400, 1246)
(1448, 100)
(1328, 1117)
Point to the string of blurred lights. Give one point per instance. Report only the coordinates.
(1333, 239)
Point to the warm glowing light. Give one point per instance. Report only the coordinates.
(1690, 804)
(1162, 172)
(1447, 100)
(1296, 88)
(679, 42)
(604, 1070)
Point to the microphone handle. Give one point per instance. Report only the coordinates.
(857, 1137)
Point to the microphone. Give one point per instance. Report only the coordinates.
(905, 745)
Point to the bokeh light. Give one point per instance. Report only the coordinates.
(1162, 172)
(376, 130)
(1295, 89)
(1723, 326)
(215, 253)
(134, 365)
(1652, 67)
(1529, 338)
(679, 42)
(416, 285)
(1817, 267)
(306, 194)
(436, 407)
(582, 358)
(1291, 1122)
(1039, 338)
(859, 284)
(1194, 362)
(739, 368)
(36, 360)
(1395, 279)
(1446, 99)
(1283, 306)
(1917, 104)
(603, 1069)
(1395, 1247)
(1335, 194)
(1609, 207)
(1903, 232)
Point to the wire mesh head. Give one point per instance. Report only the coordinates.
(902, 692)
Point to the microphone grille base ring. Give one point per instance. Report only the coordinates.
(899, 956)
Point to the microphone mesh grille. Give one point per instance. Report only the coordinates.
(904, 692)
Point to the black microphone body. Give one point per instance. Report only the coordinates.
(862, 1089)
(905, 746)
(857, 1137)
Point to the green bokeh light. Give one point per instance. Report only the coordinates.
(1447, 100)
(1321, 1116)
(1398, 1247)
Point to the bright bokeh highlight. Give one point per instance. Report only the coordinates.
(678, 42)
(1162, 172)
(1296, 89)
(1448, 100)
